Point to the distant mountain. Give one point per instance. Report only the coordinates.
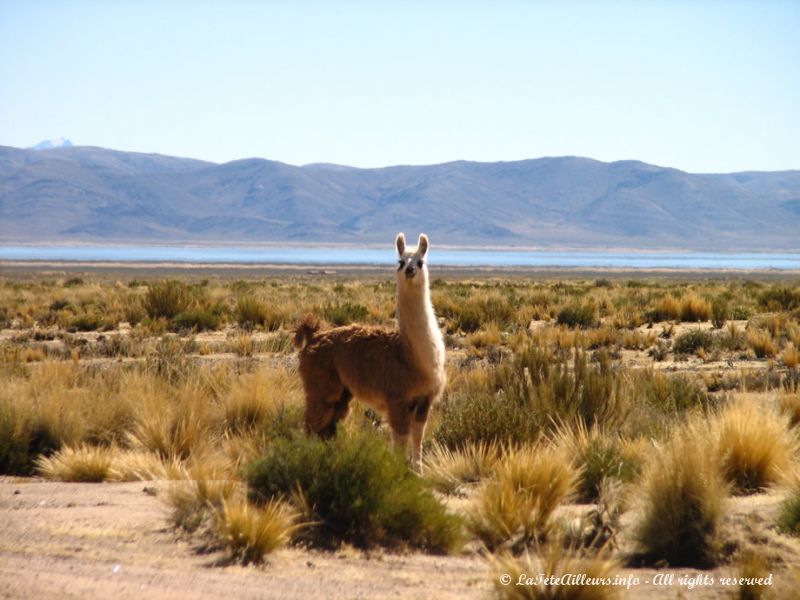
(50, 144)
(87, 194)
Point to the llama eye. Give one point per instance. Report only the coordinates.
(400, 264)
(419, 263)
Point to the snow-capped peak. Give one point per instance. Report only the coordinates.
(50, 144)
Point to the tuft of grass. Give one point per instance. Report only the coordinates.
(694, 309)
(761, 342)
(166, 299)
(513, 509)
(599, 456)
(719, 313)
(354, 489)
(196, 319)
(251, 532)
(754, 445)
(693, 340)
(682, 496)
(450, 470)
(577, 315)
(789, 515)
(84, 464)
(667, 308)
(790, 357)
(554, 562)
(751, 567)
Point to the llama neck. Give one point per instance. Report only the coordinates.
(418, 328)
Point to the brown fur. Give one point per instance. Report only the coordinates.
(370, 363)
(397, 372)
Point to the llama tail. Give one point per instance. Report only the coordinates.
(305, 330)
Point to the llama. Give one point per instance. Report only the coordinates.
(397, 372)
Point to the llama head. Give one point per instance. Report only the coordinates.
(411, 267)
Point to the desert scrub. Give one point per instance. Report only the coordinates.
(577, 315)
(84, 464)
(251, 532)
(693, 340)
(519, 400)
(682, 497)
(451, 470)
(166, 299)
(555, 561)
(353, 489)
(512, 510)
(760, 341)
(693, 309)
(598, 456)
(754, 444)
(789, 514)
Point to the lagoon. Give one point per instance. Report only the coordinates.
(379, 256)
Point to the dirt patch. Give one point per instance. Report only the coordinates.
(110, 540)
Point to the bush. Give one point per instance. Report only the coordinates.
(555, 562)
(719, 313)
(251, 312)
(579, 315)
(754, 445)
(666, 309)
(250, 532)
(691, 341)
(85, 464)
(789, 515)
(166, 299)
(599, 456)
(682, 495)
(514, 508)
(344, 313)
(198, 319)
(761, 343)
(694, 308)
(356, 490)
(780, 298)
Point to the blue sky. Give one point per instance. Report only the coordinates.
(704, 86)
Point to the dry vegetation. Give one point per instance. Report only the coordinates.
(667, 399)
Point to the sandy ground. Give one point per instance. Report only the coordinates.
(110, 540)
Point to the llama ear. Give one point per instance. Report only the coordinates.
(401, 243)
(422, 246)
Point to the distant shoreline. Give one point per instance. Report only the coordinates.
(236, 270)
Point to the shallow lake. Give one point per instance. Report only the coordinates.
(374, 256)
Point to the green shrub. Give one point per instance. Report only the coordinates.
(577, 315)
(780, 298)
(356, 490)
(344, 313)
(250, 312)
(789, 515)
(719, 312)
(198, 319)
(692, 340)
(166, 299)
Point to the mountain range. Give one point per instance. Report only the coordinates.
(76, 194)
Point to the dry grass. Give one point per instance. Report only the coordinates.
(754, 445)
(86, 464)
(251, 532)
(682, 499)
(451, 470)
(760, 341)
(555, 562)
(513, 509)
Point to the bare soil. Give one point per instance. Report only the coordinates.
(111, 540)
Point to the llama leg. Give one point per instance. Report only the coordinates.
(421, 408)
(400, 422)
